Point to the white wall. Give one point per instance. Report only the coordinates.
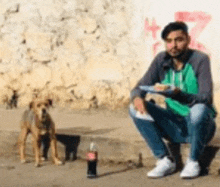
(197, 13)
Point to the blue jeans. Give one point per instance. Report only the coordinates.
(197, 128)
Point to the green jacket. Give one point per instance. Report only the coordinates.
(194, 80)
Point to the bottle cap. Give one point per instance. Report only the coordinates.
(92, 147)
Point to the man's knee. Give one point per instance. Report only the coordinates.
(136, 115)
(199, 112)
(199, 106)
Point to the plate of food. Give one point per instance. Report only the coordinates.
(158, 88)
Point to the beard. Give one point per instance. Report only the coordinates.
(178, 54)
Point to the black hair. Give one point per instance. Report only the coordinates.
(173, 26)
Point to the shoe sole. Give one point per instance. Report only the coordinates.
(189, 177)
(166, 174)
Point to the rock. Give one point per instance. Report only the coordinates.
(101, 68)
(5, 55)
(38, 77)
(80, 53)
(76, 52)
(89, 24)
(84, 92)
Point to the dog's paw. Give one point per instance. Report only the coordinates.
(37, 165)
(43, 159)
(23, 161)
(58, 162)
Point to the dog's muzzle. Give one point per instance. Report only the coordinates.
(44, 114)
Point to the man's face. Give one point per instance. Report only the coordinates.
(176, 43)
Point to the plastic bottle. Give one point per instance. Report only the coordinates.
(92, 159)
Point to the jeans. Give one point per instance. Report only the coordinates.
(197, 128)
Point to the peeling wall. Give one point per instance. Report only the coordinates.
(77, 52)
(89, 53)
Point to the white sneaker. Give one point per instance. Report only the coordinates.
(191, 170)
(163, 167)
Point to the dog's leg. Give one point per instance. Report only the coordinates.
(21, 143)
(54, 145)
(54, 151)
(10, 104)
(46, 145)
(16, 103)
(36, 145)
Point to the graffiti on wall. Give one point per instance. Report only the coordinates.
(201, 20)
(153, 28)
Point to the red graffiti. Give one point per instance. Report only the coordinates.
(155, 47)
(201, 18)
(153, 28)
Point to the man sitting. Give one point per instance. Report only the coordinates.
(189, 114)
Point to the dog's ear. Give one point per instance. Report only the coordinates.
(50, 102)
(31, 105)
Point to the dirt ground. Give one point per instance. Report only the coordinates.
(15, 174)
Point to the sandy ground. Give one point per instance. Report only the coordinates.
(12, 173)
(73, 174)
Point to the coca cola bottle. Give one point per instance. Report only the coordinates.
(92, 159)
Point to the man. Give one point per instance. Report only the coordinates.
(189, 115)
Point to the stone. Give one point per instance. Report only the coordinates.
(80, 53)
(3, 83)
(89, 24)
(84, 92)
(38, 40)
(5, 53)
(38, 77)
(105, 67)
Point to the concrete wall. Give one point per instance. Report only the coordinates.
(91, 53)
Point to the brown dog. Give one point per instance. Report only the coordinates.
(36, 120)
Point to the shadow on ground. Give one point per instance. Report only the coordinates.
(85, 131)
(205, 161)
(70, 142)
(207, 158)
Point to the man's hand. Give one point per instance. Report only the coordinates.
(163, 87)
(176, 90)
(139, 105)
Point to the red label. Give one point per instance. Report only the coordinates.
(91, 156)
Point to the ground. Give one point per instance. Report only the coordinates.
(73, 173)
(13, 173)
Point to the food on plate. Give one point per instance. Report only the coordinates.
(161, 87)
